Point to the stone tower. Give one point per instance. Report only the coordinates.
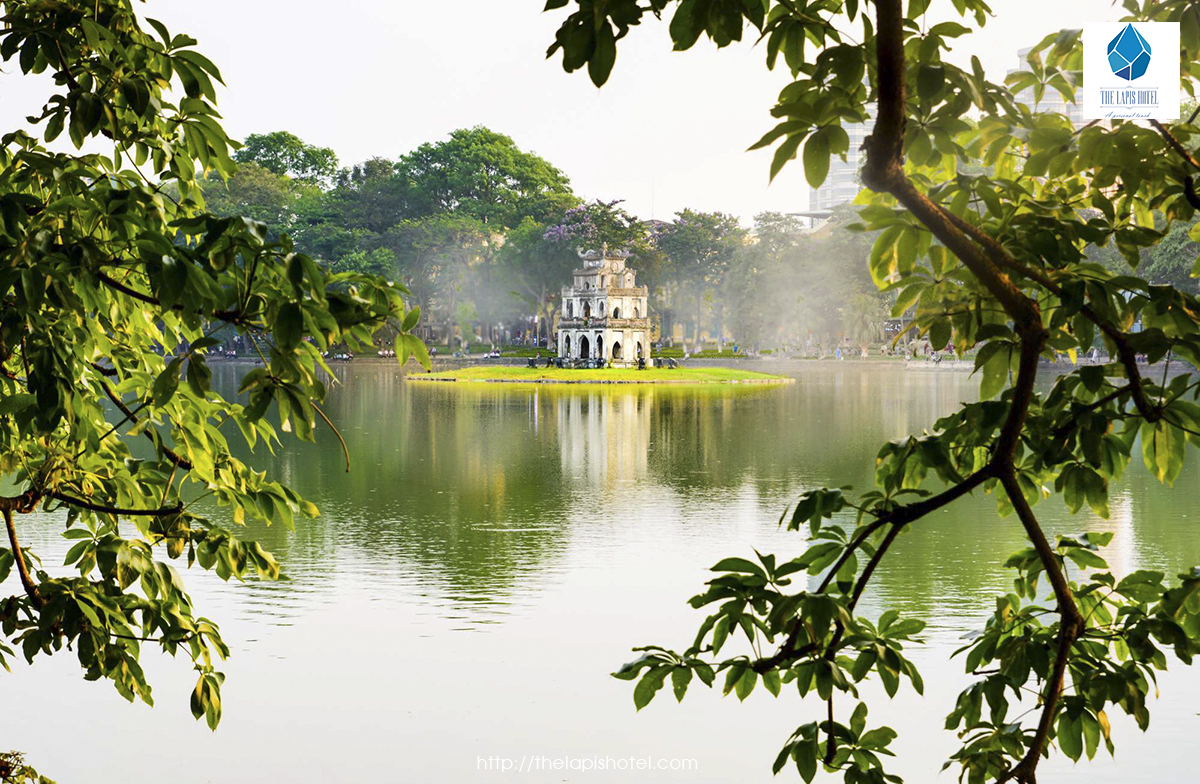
(604, 313)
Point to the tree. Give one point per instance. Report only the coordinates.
(540, 258)
(535, 267)
(995, 261)
(287, 154)
(114, 283)
(435, 255)
(863, 316)
(700, 246)
(484, 175)
(253, 192)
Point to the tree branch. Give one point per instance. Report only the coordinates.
(1125, 353)
(1175, 144)
(19, 557)
(232, 316)
(1070, 627)
(169, 453)
(114, 510)
(987, 260)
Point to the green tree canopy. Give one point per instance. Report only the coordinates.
(483, 174)
(285, 153)
(699, 247)
(115, 280)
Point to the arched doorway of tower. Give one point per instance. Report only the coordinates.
(616, 313)
(600, 347)
(566, 346)
(587, 310)
(584, 352)
(639, 350)
(616, 350)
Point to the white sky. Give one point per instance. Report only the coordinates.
(668, 131)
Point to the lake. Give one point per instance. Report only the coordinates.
(497, 550)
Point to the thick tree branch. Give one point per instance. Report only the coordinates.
(987, 260)
(1125, 353)
(114, 510)
(1070, 626)
(19, 557)
(897, 518)
(1175, 144)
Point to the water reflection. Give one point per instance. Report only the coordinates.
(497, 549)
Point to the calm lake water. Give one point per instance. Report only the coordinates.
(498, 549)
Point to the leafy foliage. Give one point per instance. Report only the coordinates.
(115, 282)
(983, 232)
(283, 153)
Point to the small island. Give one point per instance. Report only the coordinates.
(603, 338)
(555, 375)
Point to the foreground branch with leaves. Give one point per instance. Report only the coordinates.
(993, 261)
(114, 282)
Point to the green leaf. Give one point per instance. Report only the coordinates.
(410, 319)
(738, 565)
(680, 677)
(411, 345)
(167, 382)
(994, 376)
(785, 152)
(289, 326)
(199, 375)
(816, 158)
(805, 754)
(1070, 736)
(649, 685)
(16, 403)
(939, 334)
(772, 682)
(931, 78)
(600, 64)
(745, 684)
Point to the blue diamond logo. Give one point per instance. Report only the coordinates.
(1128, 54)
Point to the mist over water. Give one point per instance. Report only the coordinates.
(496, 551)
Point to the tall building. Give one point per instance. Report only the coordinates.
(842, 185)
(1052, 100)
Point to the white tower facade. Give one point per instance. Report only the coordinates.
(604, 313)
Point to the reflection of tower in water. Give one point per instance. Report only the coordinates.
(604, 437)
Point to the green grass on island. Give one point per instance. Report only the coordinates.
(696, 375)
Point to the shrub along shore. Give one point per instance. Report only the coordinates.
(527, 375)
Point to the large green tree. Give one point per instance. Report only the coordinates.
(256, 193)
(700, 247)
(992, 259)
(285, 153)
(484, 175)
(436, 255)
(114, 283)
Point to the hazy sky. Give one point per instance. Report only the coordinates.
(668, 131)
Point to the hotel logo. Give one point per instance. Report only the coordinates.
(1123, 78)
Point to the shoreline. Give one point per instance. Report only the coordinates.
(594, 381)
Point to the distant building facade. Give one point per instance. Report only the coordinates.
(842, 185)
(604, 314)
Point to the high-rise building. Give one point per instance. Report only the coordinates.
(1052, 100)
(842, 185)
